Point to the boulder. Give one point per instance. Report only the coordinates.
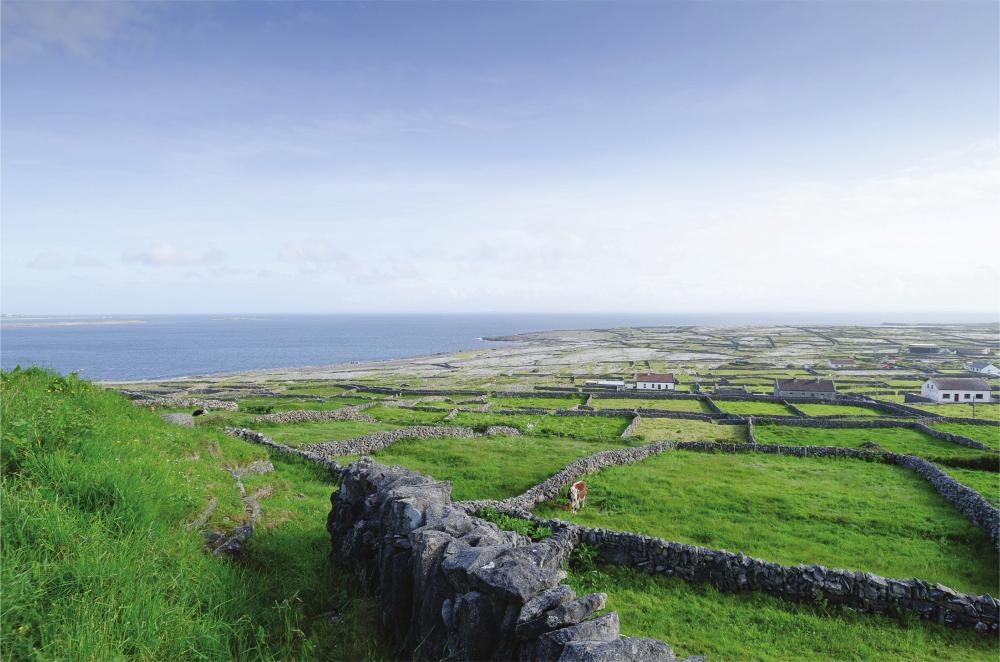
(622, 650)
(187, 420)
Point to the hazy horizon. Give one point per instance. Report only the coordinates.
(187, 158)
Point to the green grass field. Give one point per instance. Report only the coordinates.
(988, 412)
(841, 513)
(489, 467)
(399, 416)
(266, 405)
(312, 432)
(984, 434)
(696, 619)
(315, 388)
(695, 406)
(755, 408)
(896, 440)
(97, 563)
(837, 410)
(986, 483)
(537, 403)
(671, 429)
(480, 421)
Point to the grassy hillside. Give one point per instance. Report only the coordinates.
(98, 561)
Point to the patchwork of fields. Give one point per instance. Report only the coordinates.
(838, 512)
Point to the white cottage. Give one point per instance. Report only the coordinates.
(984, 368)
(650, 381)
(956, 389)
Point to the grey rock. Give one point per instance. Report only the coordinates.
(629, 649)
(543, 602)
(187, 420)
(550, 645)
(569, 613)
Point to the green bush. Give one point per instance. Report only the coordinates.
(508, 523)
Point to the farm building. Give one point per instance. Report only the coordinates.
(924, 348)
(820, 389)
(984, 368)
(617, 384)
(840, 363)
(651, 381)
(956, 389)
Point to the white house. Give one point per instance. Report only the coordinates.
(984, 368)
(956, 389)
(840, 363)
(819, 389)
(650, 381)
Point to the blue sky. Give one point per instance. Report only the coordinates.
(667, 157)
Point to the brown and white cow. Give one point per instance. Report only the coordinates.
(577, 495)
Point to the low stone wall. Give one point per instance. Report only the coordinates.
(376, 441)
(948, 436)
(840, 423)
(257, 438)
(191, 403)
(453, 586)
(502, 431)
(896, 408)
(714, 407)
(967, 501)
(391, 390)
(553, 486)
(751, 439)
(738, 572)
(735, 572)
(630, 430)
(301, 415)
(795, 410)
(970, 421)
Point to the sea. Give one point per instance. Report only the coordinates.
(149, 347)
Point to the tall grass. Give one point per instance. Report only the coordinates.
(97, 561)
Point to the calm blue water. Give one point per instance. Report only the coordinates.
(176, 346)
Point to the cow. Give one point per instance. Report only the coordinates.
(577, 495)
(198, 412)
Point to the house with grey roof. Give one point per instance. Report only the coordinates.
(818, 389)
(651, 381)
(985, 368)
(956, 389)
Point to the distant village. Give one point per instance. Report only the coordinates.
(935, 390)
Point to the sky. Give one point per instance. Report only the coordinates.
(499, 157)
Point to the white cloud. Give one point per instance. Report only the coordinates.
(167, 255)
(53, 261)
(47, 261)
(74, 27)
(349, 263)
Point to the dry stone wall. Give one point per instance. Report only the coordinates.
(376, 441)
(302, 415)
(192, 403)
(735, 572)
(452, 586)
